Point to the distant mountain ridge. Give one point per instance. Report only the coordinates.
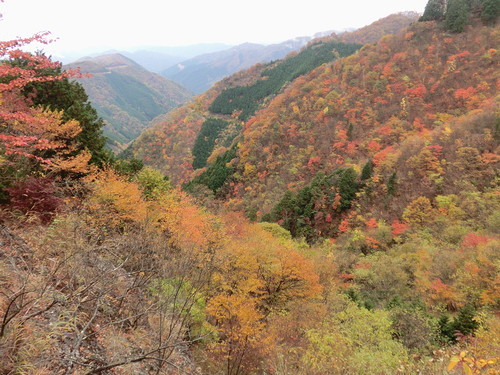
(153, 58)
(201, 72)
(157, 59)
(126, 95)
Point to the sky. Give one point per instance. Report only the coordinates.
(123, 24)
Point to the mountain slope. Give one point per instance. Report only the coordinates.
(384, 108)
(386, 104)
(176, 141)
(201, 72)
(168, 145)
(373, 32)
(126, 95)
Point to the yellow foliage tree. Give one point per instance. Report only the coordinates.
(114, 201)
(419, 212)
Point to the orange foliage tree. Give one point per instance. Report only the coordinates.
(260, 276)
(34, 133)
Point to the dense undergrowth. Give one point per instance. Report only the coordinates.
(375, 179)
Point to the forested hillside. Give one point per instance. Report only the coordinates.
(389, 106)
(126, 95)
(384, 156)
(336, 212)
(168, 144)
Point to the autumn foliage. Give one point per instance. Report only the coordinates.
(35, 133)
(349, 227)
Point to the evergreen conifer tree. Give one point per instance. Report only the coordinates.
(465, 322)
(391, 184)
(456, 15)
(490, 11)
(434, 11)
(367, 171)
(70, 97)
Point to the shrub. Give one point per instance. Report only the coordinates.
(35, 196)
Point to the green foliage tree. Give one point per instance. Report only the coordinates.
(434, 11)
(276, 230)
(347, 185)
(392, 184)
(70, 97)
(284, 211)
(367, 171)
(353, 340)
(189, 303)
(326, 195)
(129, 167)
(463, 324)
(205, 141)
(456, 15)
(445, 328)
(152, 182)
(385, 278)
(216, 174)
(490, 11)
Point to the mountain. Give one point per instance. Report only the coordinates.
(187, 51)
(153, 58)
(174, 135)
(157, 59)
(126, 95)
(179, 135)
(412, 109)
(340, 215)
(385, 108)
(201, 72)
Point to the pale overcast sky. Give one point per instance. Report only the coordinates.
(124, 24)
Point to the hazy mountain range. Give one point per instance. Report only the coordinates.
(153, 58)
(199, 73)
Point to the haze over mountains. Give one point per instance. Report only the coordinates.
(201, 72)
(128, 97)
(153, 58)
